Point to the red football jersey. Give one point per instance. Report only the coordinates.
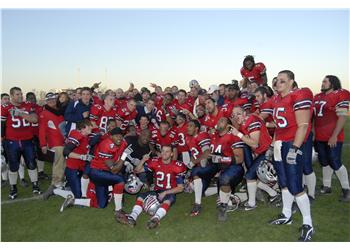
(182, 134)
(107, 150)
(119, 102)
(191, 100)
(252, 124)
(35, 126)
(229, 105)
(81, 143)
(255, 74)
(284, 116)
(166, 176)
(17, 128)
(160, 113)
(197, 143)
(325, 106)
(172, 109)
(151, 128)
(100, 116)
(125, 116)
(170, 138)
(97, 100)
(267, 108)
(210, 121)
(182, 106)
(224, 145)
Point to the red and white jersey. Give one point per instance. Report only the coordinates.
(210, 121)
(100, 116)
(166, 176)
(119, 102)
(150, 128)
(325, 106)
(182, 134)
(125, 116)
(252, 124)
(97, 100)
(267, 108)
(17, 128)
(160, 113)
(190, 100)
(172, 109)
(198, 143)
(182, 106)
(283, 112)
(229, 105)
(224, 145)
(82, 147)
(254, 106)
(37, 109)
(255, 74)
(107, 150)
(171, 138)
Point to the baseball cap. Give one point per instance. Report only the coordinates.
(50, 96)
(212, 89)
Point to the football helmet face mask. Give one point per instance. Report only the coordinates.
(133, 185)
(151, 204)
(266, 172)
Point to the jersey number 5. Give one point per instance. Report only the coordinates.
(282, 122)
(16, 122)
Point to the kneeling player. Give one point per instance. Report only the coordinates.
(169, 178)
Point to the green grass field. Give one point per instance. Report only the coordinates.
(39, 220)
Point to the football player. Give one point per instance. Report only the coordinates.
(253, 132)
(126, 114)
(168, 176)
(212, 117)
(199, 145)
(233, 99)
(331, 108)
(292, 117)
(182, 147)
(253, 72)
(263, 95)
(165, 135)
(16, 119)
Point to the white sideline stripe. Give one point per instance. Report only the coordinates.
(39, 197)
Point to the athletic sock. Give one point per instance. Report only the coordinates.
(84, 186)
(251, 186)
(40, 165)
(342, 175)
(287, 199)
(304, 206)
(161, 212)
(62, 193)
(118, 198)
(224, 197)
(310, 181)
(33, 175)
(267, 189)
(198, 189)
(21, 171)
(136, 211)
(82, 202)
(13, 177)
(327, 173)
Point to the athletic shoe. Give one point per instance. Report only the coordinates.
(69, 201)
(36, 189)
(345, 196)
(120, 216)
(275, 199)
(196, 209)
(13, 193)
(248, 207)
(325, 190)
(281, 220)
(243, 188)
(131, 221)
(306, 233)
(153, 223)
(222, 212)
(43, 176)
(48, 192)
(233, 203)
(23, 183)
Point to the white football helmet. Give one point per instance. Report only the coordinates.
(133, 185)
(193, 83)
(266, 172)
(151, 204)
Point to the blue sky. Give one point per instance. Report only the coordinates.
(43, 49)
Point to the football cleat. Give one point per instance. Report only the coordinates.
(13, 193)
(131, 221)
(306, 233)
(69, 201)
(196, 209)
(325, 190)
(275, 199)
(23, 183)
(345, 196)
(153, 223)
(222, 212)
(281, 220)
(48, 192)
(121, 217)
(243, 188)
(36, 189)
(43, 176)
(248, 207)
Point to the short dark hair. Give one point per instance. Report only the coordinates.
(29, 94)
(13, 89)
(289, 74)
(336, 84)
(196, 123)
(165, 122)
(83, 124)
(222, 84)
(264, 90)
(145, 116)
(4, 94)
(168, 146)
(170, 94)
(212, 99)
(85, 89)
(183, 91)
(248, 58)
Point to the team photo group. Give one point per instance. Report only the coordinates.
(257, 135)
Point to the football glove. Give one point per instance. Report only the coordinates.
(292, 155)
(86, 157)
